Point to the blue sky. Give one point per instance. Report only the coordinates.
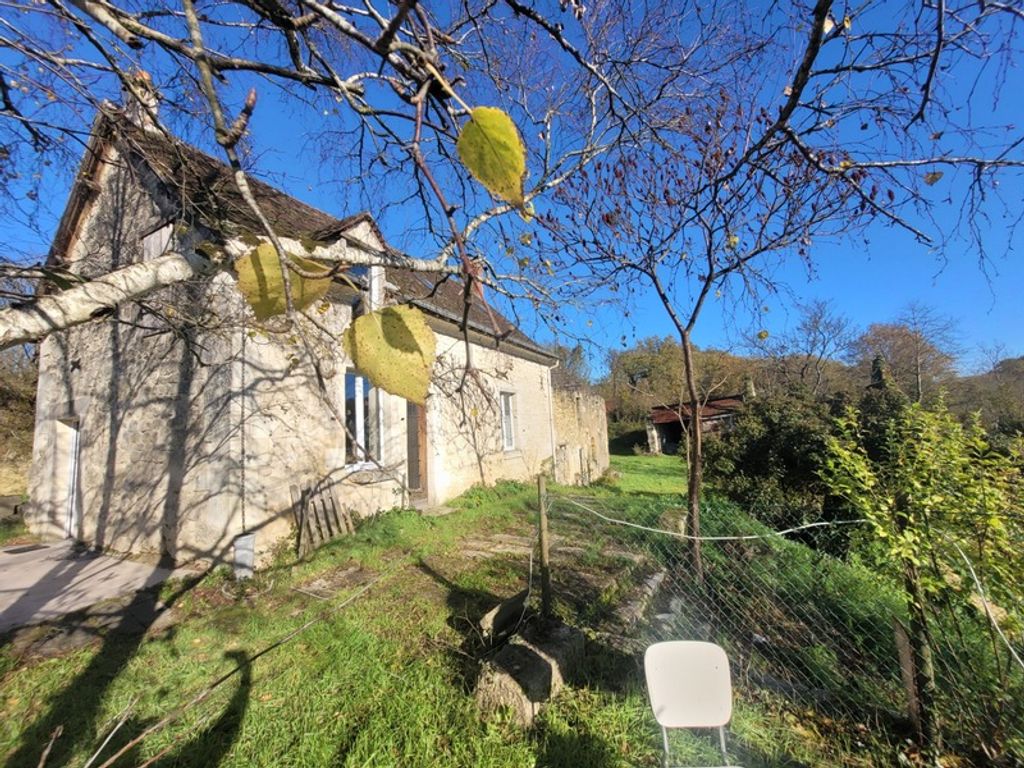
(869, 280)
(866, 281)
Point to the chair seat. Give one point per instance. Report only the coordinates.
(689, 686)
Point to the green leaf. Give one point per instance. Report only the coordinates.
(490, 147)
(260, 281)
(395, 348)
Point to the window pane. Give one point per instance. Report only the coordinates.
(507, 421)
(350, 419)
(361, 419)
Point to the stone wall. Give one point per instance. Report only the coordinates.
(135, 445)
(177, 434)
(464, 439)
(581, 437)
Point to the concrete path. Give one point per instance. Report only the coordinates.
(43, 582)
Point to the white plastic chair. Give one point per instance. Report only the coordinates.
(690, 687)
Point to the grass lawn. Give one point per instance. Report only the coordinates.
(13, 531)
(383, 680)
(655, 474)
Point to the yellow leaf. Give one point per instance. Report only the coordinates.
(931, 177)
(762, 335)
(490, 147)
(732, 241)
(395, 349)
(847, 22)
(829, 24)
(260, 281)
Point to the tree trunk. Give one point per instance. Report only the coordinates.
(918, 393)
(924, 669)
(696, 463)
(921, 647)
(20, 324)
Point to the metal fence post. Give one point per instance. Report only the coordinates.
(545, 554)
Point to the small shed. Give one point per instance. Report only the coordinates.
(667, 424)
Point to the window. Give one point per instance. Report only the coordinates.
(508, 420)
(155, 243)
(362, 416)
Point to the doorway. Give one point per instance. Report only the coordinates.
(67, 499)
(416, 451)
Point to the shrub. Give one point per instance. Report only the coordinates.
(769, 463)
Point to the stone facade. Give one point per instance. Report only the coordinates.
(467, 445)
(581, 426)
(178, 424)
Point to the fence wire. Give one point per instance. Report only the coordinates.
(815, 639)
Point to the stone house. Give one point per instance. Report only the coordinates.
(178, 422)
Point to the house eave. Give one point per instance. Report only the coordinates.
(450, 326)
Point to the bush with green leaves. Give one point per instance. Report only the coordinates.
(945, 518)
(769, 462)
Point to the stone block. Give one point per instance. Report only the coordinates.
(529, 671)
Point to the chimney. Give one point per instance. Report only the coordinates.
(141, 100)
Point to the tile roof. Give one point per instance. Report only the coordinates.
(207, 193)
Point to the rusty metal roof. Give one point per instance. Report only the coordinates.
(715, 407)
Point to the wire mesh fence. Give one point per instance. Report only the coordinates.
(814, 639)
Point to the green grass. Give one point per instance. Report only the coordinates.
(12, 531)
(654, 474)
(387, 680)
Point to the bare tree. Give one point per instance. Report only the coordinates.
(753, 171)
(809, 356)
(385, 91)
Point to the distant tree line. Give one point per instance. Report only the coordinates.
(821, 358)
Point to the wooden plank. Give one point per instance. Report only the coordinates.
(304, 537)
(339, 523)
(350, 521)
(319, 517)
(321, 529)
(330, 515)
(297, 514)
(325, 517)
(311, 541)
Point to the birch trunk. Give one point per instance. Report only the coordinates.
(21, 324)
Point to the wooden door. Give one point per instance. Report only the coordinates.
(416, 445)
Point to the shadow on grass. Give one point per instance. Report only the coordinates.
(214, 742)
(465, 607)
(571, 749)
(76, 707)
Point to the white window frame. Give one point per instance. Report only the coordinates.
(507, 408)
(363, 455)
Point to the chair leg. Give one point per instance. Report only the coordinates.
(721, 741)
(664, 739)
